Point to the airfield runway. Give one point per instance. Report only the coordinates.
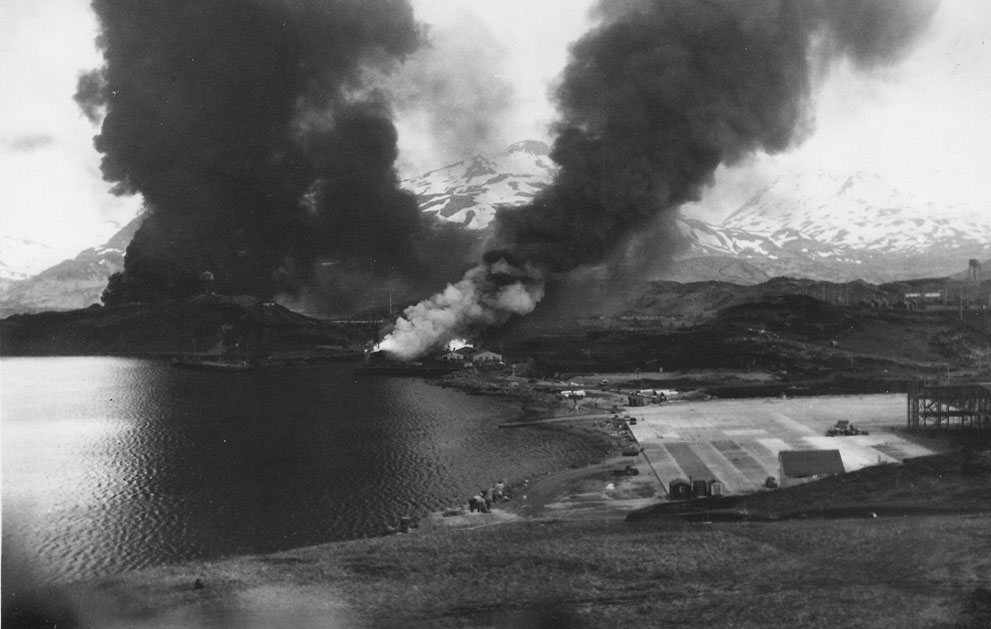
(737, 441)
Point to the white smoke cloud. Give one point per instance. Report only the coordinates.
(488, 295)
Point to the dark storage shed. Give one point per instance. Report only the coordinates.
(700, 488)
(680, 489)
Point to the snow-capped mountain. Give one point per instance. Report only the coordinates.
(468, 192)
(806, 224)
(861, 211)
(819, 225)
(70, 284)
(21, 258)
(814, 225)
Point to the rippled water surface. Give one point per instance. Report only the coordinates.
(112, 464)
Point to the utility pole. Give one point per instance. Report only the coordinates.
(389, 291)
(656, 475)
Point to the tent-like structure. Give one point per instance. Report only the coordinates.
(802, 466)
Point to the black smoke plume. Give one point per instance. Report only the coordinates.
(661, 93)
(255, 139)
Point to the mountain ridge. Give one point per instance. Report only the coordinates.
(470, 192)
(74, 283)
(812, 224)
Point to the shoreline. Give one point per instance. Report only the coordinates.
(528, 499)
(561, 520)
(576, 455)
(529, 495)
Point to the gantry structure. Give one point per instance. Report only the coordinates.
(943, 405)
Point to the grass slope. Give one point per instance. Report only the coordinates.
(891, 571)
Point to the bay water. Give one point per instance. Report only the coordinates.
(115, 464)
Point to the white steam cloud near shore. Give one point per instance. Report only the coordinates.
(488, 295)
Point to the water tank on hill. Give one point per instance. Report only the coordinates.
(206, 281)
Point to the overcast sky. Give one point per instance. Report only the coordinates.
(925, 125)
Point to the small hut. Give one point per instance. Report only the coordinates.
(700, 488)
(680, 489)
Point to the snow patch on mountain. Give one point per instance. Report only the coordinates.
(806, 224)
(470, 192)
(861, 211)
(21, 258)
(815, 224)
(70, 284)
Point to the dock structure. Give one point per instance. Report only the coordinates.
(947, 405)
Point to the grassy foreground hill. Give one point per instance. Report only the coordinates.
(654, 570)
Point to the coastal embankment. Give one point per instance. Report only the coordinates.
(886, 571)
(891, 545)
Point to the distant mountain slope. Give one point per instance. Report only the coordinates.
(21, 258)
(823, 226)
(860, 211)
(804, 224)
(74, 283)
(469, 192)
(813, 224)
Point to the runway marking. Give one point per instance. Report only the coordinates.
(751, 469)
(792, 425)
(724, 470)
(765, 457)
(738, 441)
(689, 462)
(667, 468)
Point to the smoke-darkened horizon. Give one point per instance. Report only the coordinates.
(652, 101)
(256, 140)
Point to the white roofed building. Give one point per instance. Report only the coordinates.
(485, 357)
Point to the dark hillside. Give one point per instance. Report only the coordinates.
(795, 336)
(202, 324)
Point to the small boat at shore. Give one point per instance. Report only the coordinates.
(379, 364)
(212, 365)
(404, 370)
